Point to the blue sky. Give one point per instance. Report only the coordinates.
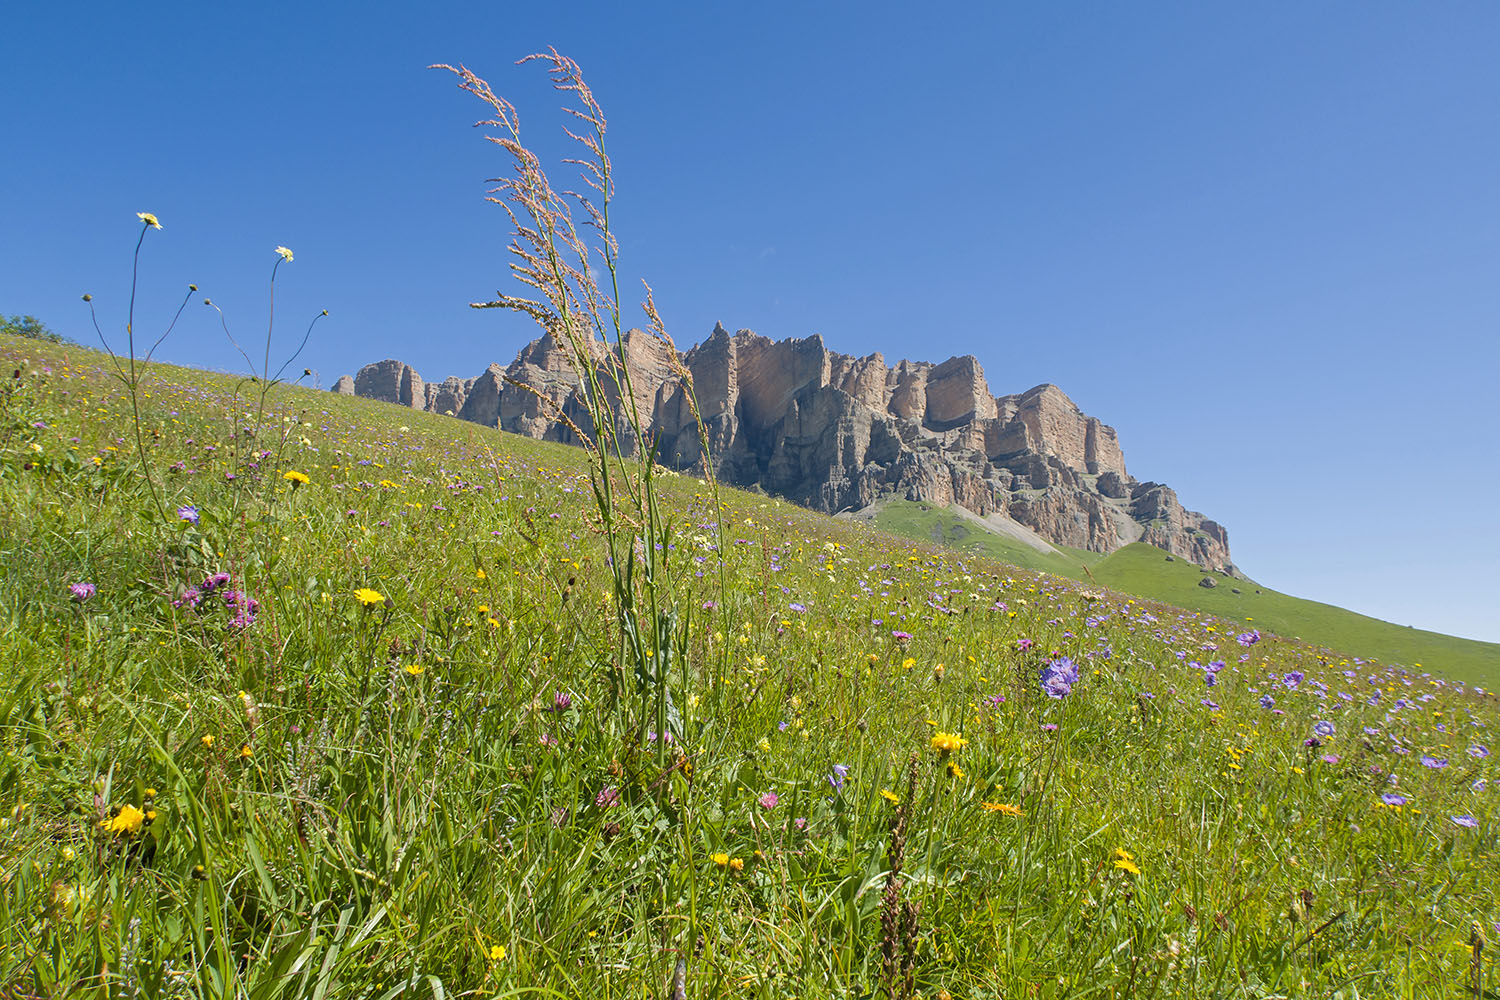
(1261, 240)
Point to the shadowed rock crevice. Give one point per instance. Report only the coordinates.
(836, 433)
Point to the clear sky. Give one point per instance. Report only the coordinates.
(1261, 240)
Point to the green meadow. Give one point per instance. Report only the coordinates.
(333, 704)
(1144, 571)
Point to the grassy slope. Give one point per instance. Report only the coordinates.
(378, 795)
(1144, 571)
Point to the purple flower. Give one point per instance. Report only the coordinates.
(900, 636)
(839, 776)
(188, 513)
(214, 582)
(1293, 679)
(561, 702)
(798, 607)
(1024, 644)
(1312, 741)
(82, 591)
(1324, 729)
(1479, 751)
(768, 800)
(1248, 638)
(1210, 705)
(1049, 727)
(608, 797)
(1468, 821)
(1059, 676)
(191, 598)
(1392, 799)
(1436, 763)
(1330, 758)
(1266, 701)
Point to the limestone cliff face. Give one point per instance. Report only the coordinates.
(836, 433)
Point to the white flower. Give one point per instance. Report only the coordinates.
(286, 254)
(148, 219)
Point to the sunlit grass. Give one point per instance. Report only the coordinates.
(362, 796)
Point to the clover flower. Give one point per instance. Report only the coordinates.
(82, 591)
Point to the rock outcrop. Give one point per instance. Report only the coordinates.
(838, 433)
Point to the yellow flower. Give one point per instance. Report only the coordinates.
(1125, 861)
(294, 476)
(954, 771)
(479, 574)
(207, 741)
(148, 219)
(368, 597)
(286, 254)
(721, 859)
(889, 796)
(127, 821)
(948, 742)
(738, 864)
(497, 952)
(415, 669)
(1003, 807)
(246, 752)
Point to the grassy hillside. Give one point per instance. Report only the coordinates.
(1145, 571)
(344, 711)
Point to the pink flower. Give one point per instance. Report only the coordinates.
(769, 800)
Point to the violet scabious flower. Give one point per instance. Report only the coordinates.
(1466, 821)
(82, 591)
(1392, 799)
(1248, 638)
(1058, 677)
(1293, 679)
(1324, 729)
(900, 636)
(798, 607)
(1210, 705)
(1478, 751)
(1266, 701)
(1436, 763)
(188, 513)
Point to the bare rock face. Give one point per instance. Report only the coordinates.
(391, 382)
(835, 432)
(344, 386)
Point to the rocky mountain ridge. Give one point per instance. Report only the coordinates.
(839, 433)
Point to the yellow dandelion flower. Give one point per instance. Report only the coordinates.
(948, 742)
(721, 859)
(286, 254)
(954, 771)
(293, 476)
(1003, 807)
(889, 796)
(368, 597)
(1125, 861)
(148, 219)
(415, 669)
(127, 821)
(738, 864)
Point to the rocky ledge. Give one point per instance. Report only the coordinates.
(839, 433)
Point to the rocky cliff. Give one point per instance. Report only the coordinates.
(839, 433)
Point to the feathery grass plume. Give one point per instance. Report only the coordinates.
(898, 916)
(559, 258)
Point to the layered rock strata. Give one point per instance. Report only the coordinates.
(838, 433)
